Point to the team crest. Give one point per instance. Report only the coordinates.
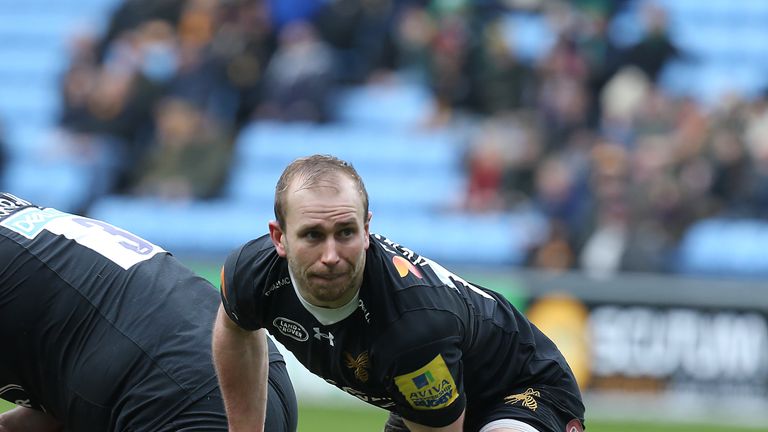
(526, 399)
(359, 365)
(574, 426)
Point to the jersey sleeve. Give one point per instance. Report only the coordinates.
(425, 374)
(13, 392)
(237, 295)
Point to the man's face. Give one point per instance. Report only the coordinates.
(324, 241)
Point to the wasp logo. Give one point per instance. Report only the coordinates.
(526, 399)
(359, 365)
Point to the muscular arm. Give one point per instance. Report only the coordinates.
(457, 426)
(21, 419)
(242, 365)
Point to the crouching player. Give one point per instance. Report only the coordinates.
(104, 331)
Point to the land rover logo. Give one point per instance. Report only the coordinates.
(291, 328)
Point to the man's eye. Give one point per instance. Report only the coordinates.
(313, 235)
(347, 232)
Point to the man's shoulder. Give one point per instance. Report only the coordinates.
(404, 267)
(252, 251)
(262, 244)
(401, 281)
(247, 274)
(250, 261)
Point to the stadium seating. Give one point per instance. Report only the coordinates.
(195, 228)
(34, 51)
(725, 247)
(415, 181)
(391, 104)
(724, 44)
(402, 168)
(415, 178)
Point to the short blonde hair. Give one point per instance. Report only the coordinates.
(314, 170)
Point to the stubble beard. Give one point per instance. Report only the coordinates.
(329, 292)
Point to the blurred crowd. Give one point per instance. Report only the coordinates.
(582, 130)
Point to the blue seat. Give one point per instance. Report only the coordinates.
(36, 24)
(264, 144)
(723, 247)
(214, 228)
(466, 239)
(531, 36)
(50, 183)
(399, 104)
(24, 99)
(402, 169)
(22, 60)
(207, 228)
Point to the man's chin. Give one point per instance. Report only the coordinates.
(328, 282)
(327, 293)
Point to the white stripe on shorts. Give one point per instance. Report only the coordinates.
(515, 425)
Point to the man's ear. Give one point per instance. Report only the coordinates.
(276, 234)
(367, 228)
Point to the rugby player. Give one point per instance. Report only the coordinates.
(102, 330)
(381, 322)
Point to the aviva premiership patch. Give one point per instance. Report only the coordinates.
(431, 387)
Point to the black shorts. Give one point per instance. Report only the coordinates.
(207, 414)
(538, 406)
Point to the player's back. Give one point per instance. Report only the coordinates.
(100, 326)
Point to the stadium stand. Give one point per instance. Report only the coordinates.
(34, 51)
(721, 247)
(379, 126)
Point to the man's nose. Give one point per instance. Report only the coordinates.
(330, 253)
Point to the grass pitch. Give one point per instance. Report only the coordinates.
(317, 418)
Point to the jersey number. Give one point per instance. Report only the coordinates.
(119, 246)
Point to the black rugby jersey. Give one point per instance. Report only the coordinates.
(100, 328)
(422, 341)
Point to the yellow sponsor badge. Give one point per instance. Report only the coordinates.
(428, 388)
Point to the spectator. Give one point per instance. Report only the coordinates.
(189, 156)
(244, 41)
(414, 31)
(240, 60)
(604, 240)
(133, 78)
(656, 48)
(361, 36)
(501, 162)
(504, 82)
(299, 77)
(132, 14)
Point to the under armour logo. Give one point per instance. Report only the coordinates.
(319, 335)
